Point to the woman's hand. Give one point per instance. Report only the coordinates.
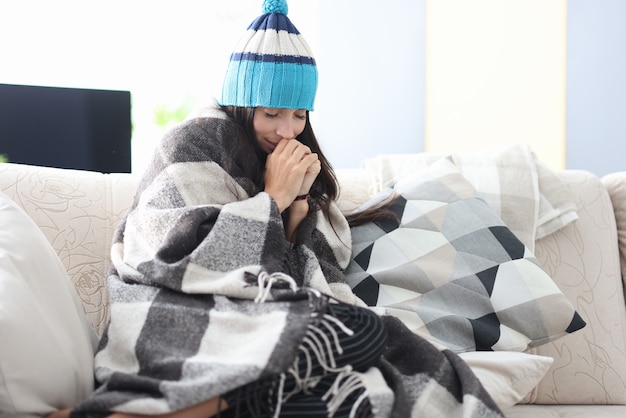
(290, 170)
(309, 177)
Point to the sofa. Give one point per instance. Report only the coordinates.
(77, 212)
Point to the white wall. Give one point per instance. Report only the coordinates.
(395, 76)
(371, 84)
(495, 74)
(596, 85)
(370, 57)
(161, 51)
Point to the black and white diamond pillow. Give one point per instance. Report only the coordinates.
(453, 272)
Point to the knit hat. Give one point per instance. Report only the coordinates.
(272, 65)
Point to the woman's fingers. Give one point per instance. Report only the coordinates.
(290, 169)
(313, 169)
(292, 148)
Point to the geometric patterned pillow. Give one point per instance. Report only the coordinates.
(453, 272)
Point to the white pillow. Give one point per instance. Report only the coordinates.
(507, 376)
(47, 343)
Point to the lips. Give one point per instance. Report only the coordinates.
(271, 145)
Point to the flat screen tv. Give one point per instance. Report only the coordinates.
(62, 127)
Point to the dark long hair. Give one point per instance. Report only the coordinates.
(251, 159)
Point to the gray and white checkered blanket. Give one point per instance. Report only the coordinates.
(207, 295)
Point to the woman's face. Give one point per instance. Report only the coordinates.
(273, 125)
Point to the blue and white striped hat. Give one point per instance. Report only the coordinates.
(272, 65)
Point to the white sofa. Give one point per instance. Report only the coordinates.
(78, 211)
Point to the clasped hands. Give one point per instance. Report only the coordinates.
(290, 171)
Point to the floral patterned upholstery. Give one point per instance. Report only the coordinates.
(77, 211)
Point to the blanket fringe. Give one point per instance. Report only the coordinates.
(320, 343)
(317, 343)
(315, 359)
(266, 281)
(346, 383)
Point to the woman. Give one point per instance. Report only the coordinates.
(228, 266)
(227, 291)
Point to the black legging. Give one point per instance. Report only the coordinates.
(360, 350)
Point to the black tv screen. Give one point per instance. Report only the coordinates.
(62, 127)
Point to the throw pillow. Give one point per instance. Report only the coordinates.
(507, 376)
(46, 353)
(453, 272)
(527, 195)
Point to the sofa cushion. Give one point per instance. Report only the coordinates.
(507, 376)
(615, 184)
(583, 259)
(354, 188)
(46, 354)
(453, 272)
(568, 410)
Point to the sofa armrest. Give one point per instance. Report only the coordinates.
(615, 184)
(78, 212)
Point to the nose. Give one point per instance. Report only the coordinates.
(285, 129)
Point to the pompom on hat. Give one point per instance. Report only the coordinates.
(272, 65)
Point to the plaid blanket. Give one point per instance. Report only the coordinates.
(207, 296)
(528, 196)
